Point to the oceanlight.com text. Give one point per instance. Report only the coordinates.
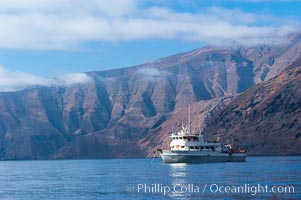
(157, 188)
(251, 189)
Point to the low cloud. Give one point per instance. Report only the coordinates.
(11, 81)
(69, 24)
(71, 79)
(151, 73)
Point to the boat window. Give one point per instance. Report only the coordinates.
(180, 138)
(188, 139)
(197, 147)
(176, 138)
(185, 138)
(191, 147)
(182, 147)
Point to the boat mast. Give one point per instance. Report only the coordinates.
(182, 122)
(189, 118)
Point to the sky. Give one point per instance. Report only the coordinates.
(46, 42)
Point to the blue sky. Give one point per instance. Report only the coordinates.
(48, 38)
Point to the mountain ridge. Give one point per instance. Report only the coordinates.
(270, 109)
(128, 112)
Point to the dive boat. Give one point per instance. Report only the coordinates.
(188, 147)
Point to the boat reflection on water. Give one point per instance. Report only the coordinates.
(179, 182)
(178, 169)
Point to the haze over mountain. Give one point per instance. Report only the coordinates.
(128, 112)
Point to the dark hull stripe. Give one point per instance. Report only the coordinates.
(201, 158)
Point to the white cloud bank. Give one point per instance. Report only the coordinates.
(11, 81)
(67, 24)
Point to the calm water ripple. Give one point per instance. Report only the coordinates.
(138, 178)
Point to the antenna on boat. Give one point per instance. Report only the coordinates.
(189, 118)
(182, 122)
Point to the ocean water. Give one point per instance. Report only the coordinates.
(144, 179)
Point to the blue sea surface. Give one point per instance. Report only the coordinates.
(144, 179)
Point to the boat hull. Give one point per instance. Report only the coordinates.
(196, 157)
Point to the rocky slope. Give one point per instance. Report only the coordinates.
(265, 119)
(127, 112)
